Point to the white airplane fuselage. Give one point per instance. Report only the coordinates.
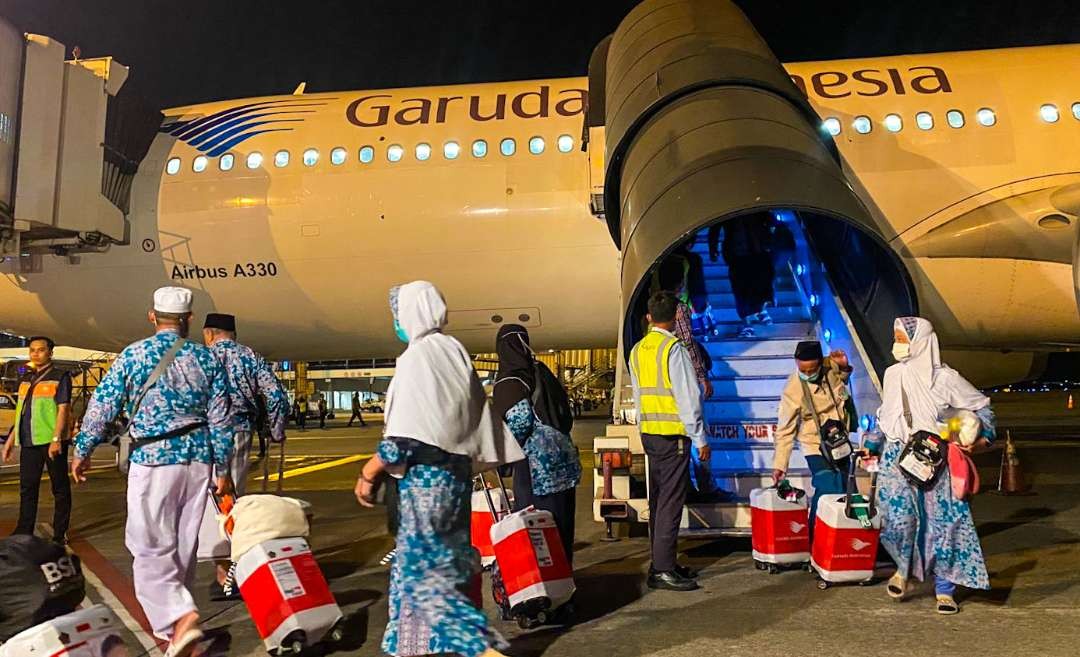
(304, 255)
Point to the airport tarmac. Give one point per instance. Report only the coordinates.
(1032, 545)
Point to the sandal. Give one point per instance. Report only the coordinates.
(184, 646)
(947, 605)
(897, 588)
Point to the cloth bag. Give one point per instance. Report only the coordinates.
(963, 474)
(260, 518)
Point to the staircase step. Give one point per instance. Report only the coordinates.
(721, 411)
(725, 298)
(749, 387)
(726, 313)
(733, 368)
(722, 284)
(722, 349)
(794, 328)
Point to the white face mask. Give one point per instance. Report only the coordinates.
(901, 351)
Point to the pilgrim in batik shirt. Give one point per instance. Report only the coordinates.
(193, 389)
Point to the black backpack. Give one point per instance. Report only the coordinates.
(550, 400)
(41, 581)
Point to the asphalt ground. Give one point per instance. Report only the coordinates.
(1032, 544)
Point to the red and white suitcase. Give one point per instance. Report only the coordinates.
(287, 596)
(533, 570)
(845, 545)
(91, 632)
(485, 508)
(779, 530)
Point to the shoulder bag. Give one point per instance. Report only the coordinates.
(835, 443)
(924, 457)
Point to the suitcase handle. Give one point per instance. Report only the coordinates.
(280, 470)
(482, 480)
(851, 490)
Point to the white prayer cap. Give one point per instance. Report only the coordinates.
(175, 300)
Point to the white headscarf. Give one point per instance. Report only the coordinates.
(930, 386)
(435, 396)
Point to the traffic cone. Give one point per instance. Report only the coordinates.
(1011, 479)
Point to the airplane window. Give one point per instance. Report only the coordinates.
(536, 145)
(254, 160)
(198, 165)
(281, 159)
(423, 151)
(955, 118)
(451, 150)
(507, 146)
(337, 156)
(862, 125)
(311, 156)
(367, 154)
(925, 120)
(226, 162)
(1049, 113)
(479, 148)
(172, 167)
(566, 143)
(395, 153)
(986, 116)
(893, 123)
(831, 125)
(1076, 111)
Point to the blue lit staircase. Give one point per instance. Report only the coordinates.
(748, 376)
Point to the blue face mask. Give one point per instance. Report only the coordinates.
(401, 334)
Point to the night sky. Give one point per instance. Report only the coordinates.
(189, 51)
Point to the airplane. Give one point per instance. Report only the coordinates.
(297, 213)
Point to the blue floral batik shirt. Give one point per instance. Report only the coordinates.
(193, 389)
(554, 463)
(250, 377)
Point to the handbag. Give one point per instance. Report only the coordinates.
(924, 457)
(963, 474)
(835, 441)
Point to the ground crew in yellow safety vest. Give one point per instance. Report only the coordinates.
(669, 416)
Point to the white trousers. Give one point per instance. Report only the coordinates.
(165, 505)
(212, 545)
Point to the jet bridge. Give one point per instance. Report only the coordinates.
(64, 177)
(702, 126)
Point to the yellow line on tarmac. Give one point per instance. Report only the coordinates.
(296, 472)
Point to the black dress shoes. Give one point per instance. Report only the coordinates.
(671, 581)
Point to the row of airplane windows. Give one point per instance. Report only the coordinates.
(925, 120)
(394, 153)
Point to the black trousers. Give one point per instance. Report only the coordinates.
(669, 477)
(751, 282)
(562, 505)
(32, 460)
(357, 416)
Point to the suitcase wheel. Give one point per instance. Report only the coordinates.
(773, 569)
(530, 622)
(760, 565)
(822, 584)
(293, 644)
(337, 632)
(807, 567)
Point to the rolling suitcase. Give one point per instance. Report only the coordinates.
(284, 589)
(287, 596)
(779, 529)
(532, 582)
(846, 534)
(91, 632)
